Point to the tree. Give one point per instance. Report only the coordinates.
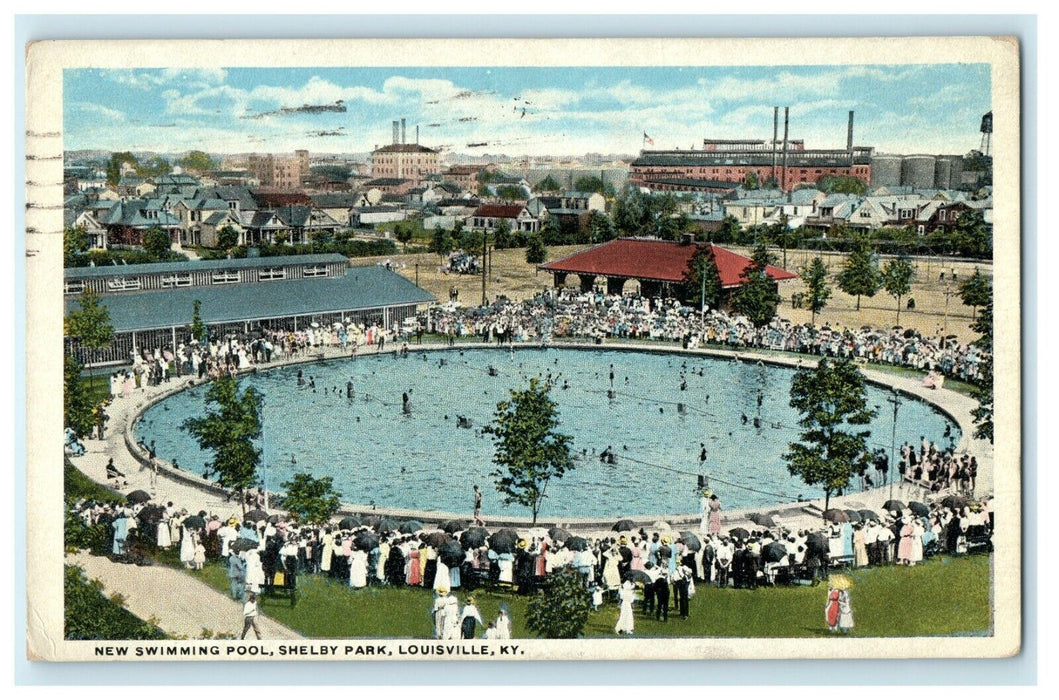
(831, 399)
(198, 328)
(758, 295)
(75, 242)
(750, 182)
(310, 500)
(972, 235)
(227, 237)
(817, 290)
(114, 166)
(561, 609)
(229, 429)
(529, 449)
(983, 390)
(702, 281)
(600, 227)
(593, 183)
(841, 184)
(548, 184)
(536, 253)
(897, 279)
(402, 231)
(156, 242)
(509, 192)
(77, 403)
(153, 167)
(442, 241)
(976, 291)
(860, 273)
(89, 323)
(729, 230)
(502, 234)
(197, 161)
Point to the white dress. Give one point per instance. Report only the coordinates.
(451, 626)
(187, 547)
(358, 569)
(442, 579)
(503, 627)
(625, 616)
(255, 574)
(164, 539)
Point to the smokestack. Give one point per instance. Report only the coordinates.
(849, 138)
(395, 131)
(775, 134)
(786, 122)
(417, 134)
(403, 139)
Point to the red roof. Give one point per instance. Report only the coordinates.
(499, 211)
(648, 259)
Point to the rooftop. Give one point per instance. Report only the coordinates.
(404, 148)
(76, 273)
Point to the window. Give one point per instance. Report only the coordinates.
(315, 271)
(182, 280)
(122, 284)
(269, 274)
(225, 277)
(74, 287)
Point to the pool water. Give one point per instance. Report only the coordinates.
(379, 455)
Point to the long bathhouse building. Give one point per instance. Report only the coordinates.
(151, 305)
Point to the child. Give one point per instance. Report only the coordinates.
(597, 597)
(200, 554)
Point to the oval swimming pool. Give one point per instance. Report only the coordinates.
(379, 455)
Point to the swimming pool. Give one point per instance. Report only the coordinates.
(379, 455)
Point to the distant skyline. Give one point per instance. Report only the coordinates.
(930, 108)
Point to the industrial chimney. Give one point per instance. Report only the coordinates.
(775, 135)
(849, 138)
(417, 134)
(403, 139)
(395, 134)
(786, 121)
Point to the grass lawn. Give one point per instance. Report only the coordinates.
(944, 596)
(76, 485)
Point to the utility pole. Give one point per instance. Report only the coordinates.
(417, 274)
(264, 452)
(896, 401)
(485, 237)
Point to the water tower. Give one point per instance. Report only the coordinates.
(987, 133)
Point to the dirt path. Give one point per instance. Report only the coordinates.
(182, 605)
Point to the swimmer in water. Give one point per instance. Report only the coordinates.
(743, 418)
(301, 379)
(312, 383)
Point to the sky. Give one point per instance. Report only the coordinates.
(919, 108)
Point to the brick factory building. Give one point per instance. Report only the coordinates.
(400, 160)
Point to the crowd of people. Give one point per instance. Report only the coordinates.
(569, 313)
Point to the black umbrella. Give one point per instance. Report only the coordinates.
(894, 504)
(349, 522)
(370, 520)
(918, 508)
(740, 533)
(818, 539)
(503, 541)
(387, 525)
(576, 544)
(869, 515)
(623, 525)
(255, 515)
(691, 540)
(773, 552)
(193, 521)
(454, 526)
(637, 576)
(451, 554)
(437, 539)
(243, 544)
(854, 516)
(762, 520)
(474, 537)
(558, 534)
(834, 515)
(138, 496)
(365, 540)
(954, 501)
(664, 552)
(275, 518)
(410, 526)
(151, 513)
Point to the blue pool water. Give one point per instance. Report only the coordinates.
(378, 455)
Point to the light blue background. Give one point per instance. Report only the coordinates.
(1018, 670)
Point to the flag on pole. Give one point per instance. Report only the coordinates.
(648, 140)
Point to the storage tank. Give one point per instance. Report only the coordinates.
(943, 173)
(918, 171)
(885, 171)
(955, 171)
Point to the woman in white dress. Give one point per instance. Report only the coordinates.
(165, 539)
(917, 542)
(255, 573)
(503, 624)
(187, 547)
(443, 578)
(358, 569)
(626, 622)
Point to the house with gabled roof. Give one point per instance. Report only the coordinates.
(488, 216)
(127, 221)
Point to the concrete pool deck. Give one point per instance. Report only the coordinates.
(191, 491)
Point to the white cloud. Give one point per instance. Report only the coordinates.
(98, 112)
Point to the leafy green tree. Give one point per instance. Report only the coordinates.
(154, 166)
(441, 241)
(976, 291)
(536, 253)
(593, 183)
(509, 192)
(552, 231)
(548, 184)
(983, 389)
(758, 295)
(75, 243)
(198, 328)
(310, 500)
(897, 278)
(89, 614)
(197, 161)
(600, 227)
(89, 323)
(229, 429)
(227, 237)
(156, 242)
(484, 191)
(972, 235)
(529, 449)
(841, 184)
(115, 163)
(702, 281)
(502, 234)
(860, 274)
(77, 402)
(729, 230)
(817, 290)
(832, 400)
(561, 609)
(632, 212)
(750, 182)
(402, 231)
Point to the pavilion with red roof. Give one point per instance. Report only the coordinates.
(657, 265)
